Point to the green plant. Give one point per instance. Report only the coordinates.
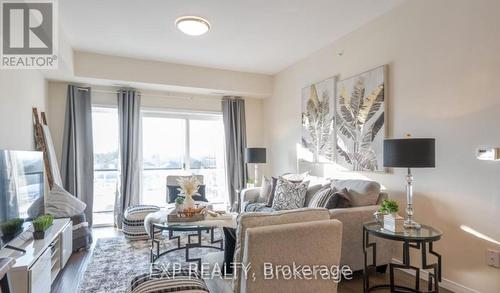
(389, 206)
(11, 226)
(250, 181)
(42, 223)
(179, 200)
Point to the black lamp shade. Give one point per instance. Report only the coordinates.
(410, 153)
(255, 155)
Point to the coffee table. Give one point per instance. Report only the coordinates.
(158, 222)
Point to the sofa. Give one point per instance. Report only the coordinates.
(366, 197)
(280, 238)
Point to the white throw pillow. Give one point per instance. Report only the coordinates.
(62, 204)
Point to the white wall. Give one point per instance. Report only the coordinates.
(20, 90)
(150, 99)
(444, 73)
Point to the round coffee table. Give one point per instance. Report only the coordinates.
(194, 229)
(411, 238)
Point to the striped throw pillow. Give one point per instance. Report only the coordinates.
(168, 281)
(321, 198)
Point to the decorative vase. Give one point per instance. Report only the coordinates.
(39, 235)
(179, 207)
(189, 201)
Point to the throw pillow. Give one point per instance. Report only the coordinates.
(340, 199)
(270, 199)
(321, 198)
(289, 195)
(229, 245)
(164, 281)
(362, 192)
(62, 204)
(265, 189)
(295, 177)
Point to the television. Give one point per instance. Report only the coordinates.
(22, 185)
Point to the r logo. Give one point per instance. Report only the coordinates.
(27, 28)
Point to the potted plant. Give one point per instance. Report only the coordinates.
(41, 224)
(389, 206)
(250, 183)
(179, 201)
(11, 226)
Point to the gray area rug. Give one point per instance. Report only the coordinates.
(116, 261)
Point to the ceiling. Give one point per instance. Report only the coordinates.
(260, 36)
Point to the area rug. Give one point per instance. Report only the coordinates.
(116, 261)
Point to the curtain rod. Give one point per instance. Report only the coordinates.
(152, 95)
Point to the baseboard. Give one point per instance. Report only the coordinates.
(445, 283)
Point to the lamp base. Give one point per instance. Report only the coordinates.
(410, 224)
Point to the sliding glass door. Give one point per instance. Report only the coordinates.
(106, 174)
(182, 144)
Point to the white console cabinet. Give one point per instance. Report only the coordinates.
(36, 269)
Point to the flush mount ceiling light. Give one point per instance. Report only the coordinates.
(192, 25)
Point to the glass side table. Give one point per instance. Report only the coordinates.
(422, 239)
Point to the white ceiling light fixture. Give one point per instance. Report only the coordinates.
(192, 25)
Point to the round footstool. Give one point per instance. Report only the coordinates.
(133, 221)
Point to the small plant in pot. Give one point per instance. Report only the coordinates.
(11, 226)
(41, 224)
(388, 207)
(179, 204)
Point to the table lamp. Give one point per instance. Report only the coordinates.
(255, 156)
(409, 153)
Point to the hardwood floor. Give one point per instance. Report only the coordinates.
(69, 278)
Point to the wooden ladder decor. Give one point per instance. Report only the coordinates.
(41, 144)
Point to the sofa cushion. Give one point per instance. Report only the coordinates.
(321, 198)
(362, 192)
(252, 220)
(270, 199)
(340, 199)
(295, 177)
(289, 195)
(311, 191)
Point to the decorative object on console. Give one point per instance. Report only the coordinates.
(360, 121)
(41, 224)
(289, 195)
(179, 204)
(11, 226)
(410, 153)
(255, 156)
(317, 120)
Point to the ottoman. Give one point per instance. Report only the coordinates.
(133, 221)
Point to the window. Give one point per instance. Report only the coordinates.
(182, 144)
(106, 148)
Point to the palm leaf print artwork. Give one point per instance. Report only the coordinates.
(317, 120)
(360, 121)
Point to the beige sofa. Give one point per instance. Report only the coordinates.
(366, 199)
(303, 236)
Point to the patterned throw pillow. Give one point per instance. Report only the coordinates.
(161, 281)
(289, 195)
(321, 198)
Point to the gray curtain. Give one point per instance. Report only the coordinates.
(77, 162)
(233, 115)
(129, 113)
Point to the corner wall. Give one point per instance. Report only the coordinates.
(20, 90)
(444, 82)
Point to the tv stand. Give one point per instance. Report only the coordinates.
(42, 260)
(15, 248)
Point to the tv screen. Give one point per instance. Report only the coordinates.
(21, 186)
